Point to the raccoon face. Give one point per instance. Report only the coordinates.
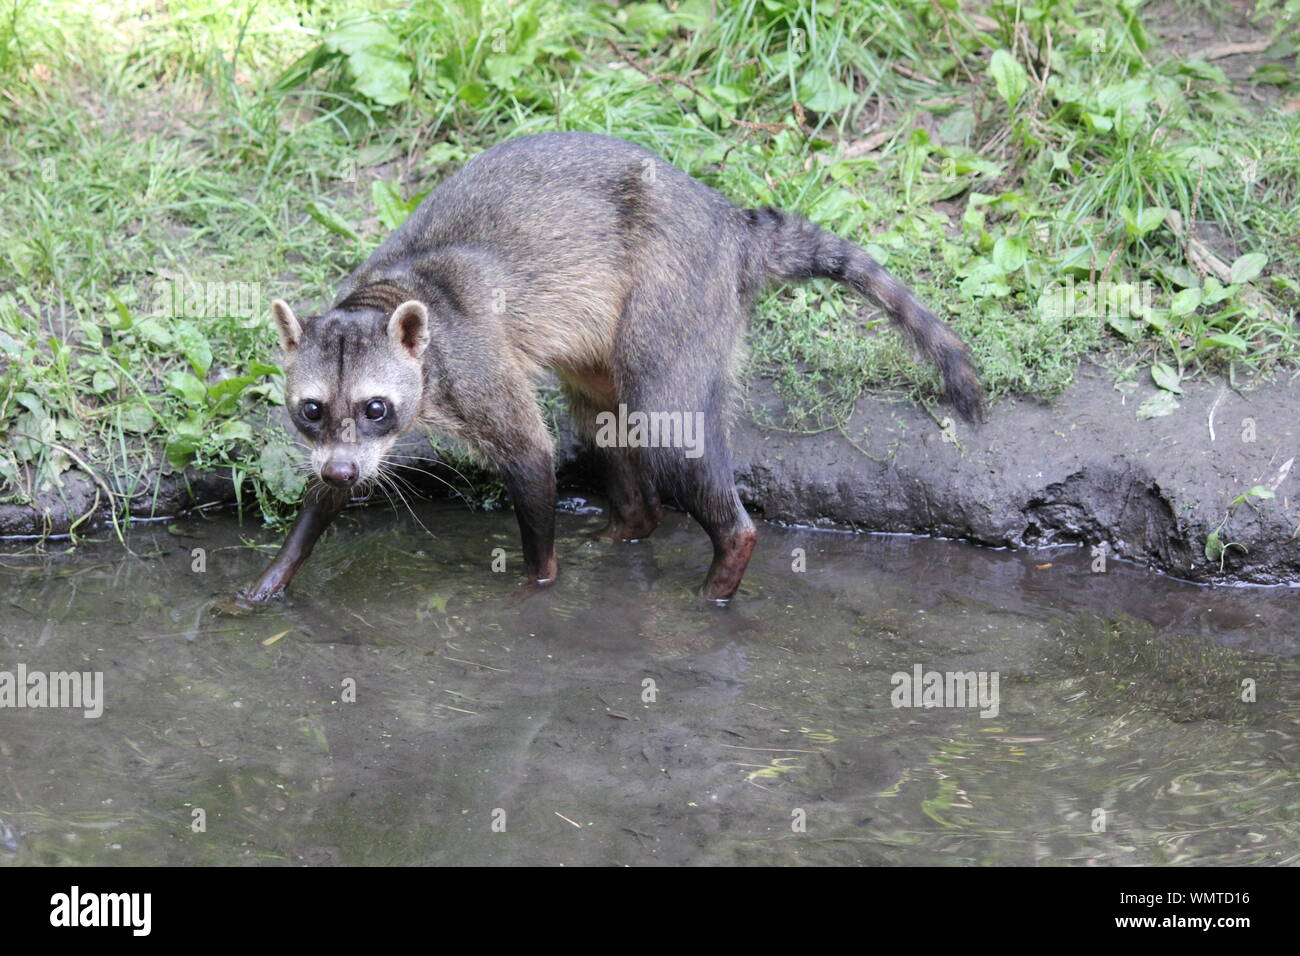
(353, 383)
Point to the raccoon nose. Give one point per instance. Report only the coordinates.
(339, 472)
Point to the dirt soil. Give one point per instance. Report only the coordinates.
(1082, 470)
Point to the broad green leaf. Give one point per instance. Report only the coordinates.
(733, 94)
(1185, 302)
(475, 95)
(230, 386)
(1010, 77)
(384, 80)
(194, 346)
(1214, 291)
(187, 387)
(236, 430)
(1009, 253)
(1199, 156)
(820, 91)
(1151, 218)
(1130, 329)
(1226, 340)
(153, 332)
(388, 203)
(137, 418)
(180, 450)
(331, 221)
(1247, 267)
(1180, 276)
(365, 35)
(278, 469)
(1166, 377)
(30, 402)
(1274, 74)
(1214, 547)
(378, 70)
(195, 426)
(1158, 405)
(984, 281)
(504, 70)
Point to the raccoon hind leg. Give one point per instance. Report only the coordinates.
(694, 380)
(634, 507)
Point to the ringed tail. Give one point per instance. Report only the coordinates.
(795, 249)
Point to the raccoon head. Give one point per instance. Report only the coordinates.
(353, 382)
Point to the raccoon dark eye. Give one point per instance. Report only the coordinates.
(311, 411)
(375, 410)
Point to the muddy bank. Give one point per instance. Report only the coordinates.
(1083, 470)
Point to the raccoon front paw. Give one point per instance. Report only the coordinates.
(242, 602)
(530, 587)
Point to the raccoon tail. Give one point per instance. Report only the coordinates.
(792, 248)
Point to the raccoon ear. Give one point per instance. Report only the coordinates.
(287, 324)
(409, 328)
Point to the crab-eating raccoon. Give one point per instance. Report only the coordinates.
(593, 258)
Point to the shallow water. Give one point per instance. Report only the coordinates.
(767, 733)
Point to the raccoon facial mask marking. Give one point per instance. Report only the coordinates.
(353, 383)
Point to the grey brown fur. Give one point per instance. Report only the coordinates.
(593, 258)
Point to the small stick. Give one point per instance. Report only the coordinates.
(1222, 392)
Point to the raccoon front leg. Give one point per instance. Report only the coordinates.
(530, 479)
(320, 506)
(505, 423)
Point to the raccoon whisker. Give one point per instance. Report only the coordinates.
(437, 461)
(365, 490)
(389, 463)
(314, 487)
(395, 479)
(388, 470)
(392, 481)
(385, 481)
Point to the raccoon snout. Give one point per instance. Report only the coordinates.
(339, 472)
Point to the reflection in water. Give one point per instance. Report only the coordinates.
(403, 699)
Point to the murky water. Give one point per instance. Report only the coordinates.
(615, 720)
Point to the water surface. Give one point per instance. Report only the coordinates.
(616, 720)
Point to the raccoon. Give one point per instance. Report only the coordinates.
(595, 259)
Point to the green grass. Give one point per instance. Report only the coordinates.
(276, 143)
